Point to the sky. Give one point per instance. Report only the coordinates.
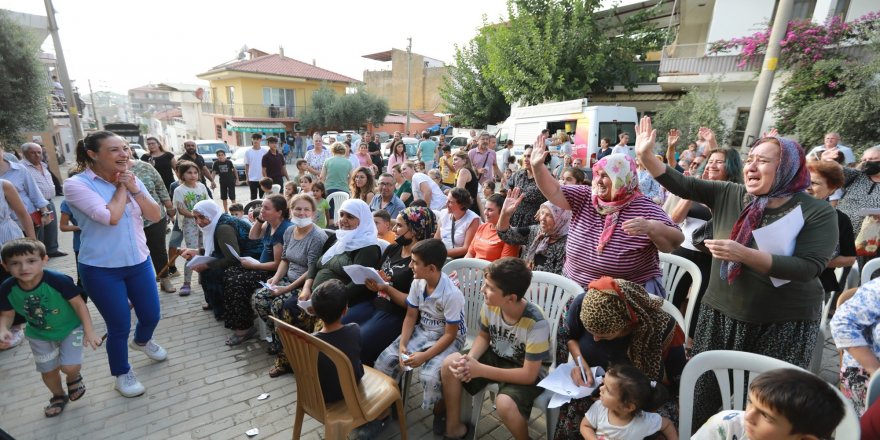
(123, 44)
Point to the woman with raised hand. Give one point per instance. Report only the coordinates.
(526, 181)
(757, 301)
(545, 242)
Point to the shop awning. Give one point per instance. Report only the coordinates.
(256, 127)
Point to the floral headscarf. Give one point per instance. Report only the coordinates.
(624, 188)
(421, 221)
(792, 176)
(562, 218)
(613, 305)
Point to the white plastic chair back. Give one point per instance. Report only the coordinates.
(673, 311)
(722, 363)
(869, 269)
(337, 198)
(873, 391)
(383, 244)
(673, 269)
(469, 277)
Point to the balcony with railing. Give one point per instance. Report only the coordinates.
(254, 110)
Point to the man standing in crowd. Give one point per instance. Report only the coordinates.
(622, 146)
(483, 159)
(196, 158)
(386, 199)
(253, 165)
(427, 151)
(273, 163)
(48, 233)
(832, 141)
(297, 146)
(375, 149)
(17, 174)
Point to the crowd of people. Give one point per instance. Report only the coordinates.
(603, 226)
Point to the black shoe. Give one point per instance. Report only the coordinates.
(57, 254)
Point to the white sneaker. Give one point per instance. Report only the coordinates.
(153, 350)
(128, 385)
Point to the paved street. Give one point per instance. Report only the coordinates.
(204, 390)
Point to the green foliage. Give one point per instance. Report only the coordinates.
(332, 112)
(806, 85)
(562, 49)
(469, 93)
(23, 87)
(700, 107)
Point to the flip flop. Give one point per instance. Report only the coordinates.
(238, 339)
(56, 402)
(76, 389)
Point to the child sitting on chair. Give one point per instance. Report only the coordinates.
(783, 404)
(330, 303)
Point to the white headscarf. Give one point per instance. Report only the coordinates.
(212, 212)
(362, 236)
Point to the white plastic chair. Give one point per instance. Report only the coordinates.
(869, 269)
(721, 363)
(673, 268)
(551, 292)
(824, 327)
(383, 244)
(873, 391)
(337, 198)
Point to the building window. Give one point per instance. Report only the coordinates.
(283, 102)
(230, 95)
(739, 127)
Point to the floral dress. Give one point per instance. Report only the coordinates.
(532, 200)
(855, 324)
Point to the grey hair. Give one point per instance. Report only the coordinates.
(874, 149)
(25, 147)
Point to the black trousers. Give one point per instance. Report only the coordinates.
(155, 234)
(255, 189)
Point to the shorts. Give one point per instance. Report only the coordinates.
(49, 355)
(523, 395)
(227, 191)
(176, 237)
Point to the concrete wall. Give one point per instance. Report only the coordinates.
(737, 18)
(858, 8)
(392, 84)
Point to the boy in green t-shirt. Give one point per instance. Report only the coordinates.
(58, 320)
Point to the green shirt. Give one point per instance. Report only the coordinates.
(405, 187)
(46, 308)
(752, 297)
(338, 169)
(426, 150)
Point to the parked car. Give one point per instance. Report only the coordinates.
(137, 150)
(412, 145)
(208, 149)
(331, 137)
(458, 142)
(237, 159)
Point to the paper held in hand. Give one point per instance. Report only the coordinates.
(360, 274)
(778, 238)
(199, 259)
(560, 383)
(240, 258)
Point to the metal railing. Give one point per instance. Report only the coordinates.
(254, 110)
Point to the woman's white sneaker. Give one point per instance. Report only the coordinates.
(153, 350)
(128, 385)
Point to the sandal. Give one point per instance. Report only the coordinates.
(207, 307)
(238, 339)
(276, 371)
(76, 389)
(55, 403)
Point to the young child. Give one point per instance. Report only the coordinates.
(237, 210)
(619, 414)
(420, 167)
(447, 172)
(58, 319)
(318, 192)
(784, 404)
(185, 198)
(289, 190)
(330, 303)
(228, 176)
(434, 326)
(512, 349)
(382, 219)
(305, 184)
(268, 187)
(301, 168)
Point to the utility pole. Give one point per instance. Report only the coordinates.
(72, 111)
(94, 108)
(768, 71)
(408, 79)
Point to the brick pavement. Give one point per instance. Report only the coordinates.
(204, 390)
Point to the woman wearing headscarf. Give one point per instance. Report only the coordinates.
(614, 322)
(381, 319)
(615, 230)
(756, 301)
(545, 241)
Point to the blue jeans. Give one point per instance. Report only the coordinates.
(111, 290)
(378, 329)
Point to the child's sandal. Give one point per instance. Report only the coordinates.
(55, 403)
(76, 389)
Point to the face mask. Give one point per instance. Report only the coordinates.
(403, 241)
(301, 222)
(872, 168)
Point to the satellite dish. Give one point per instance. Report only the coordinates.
(200, 93)
(242, 53)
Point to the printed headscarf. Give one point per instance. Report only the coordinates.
(792, 177)
(421, 221)
(212, 212)
(622, 171)
(362, 236)
(611, 305)
(543, 240)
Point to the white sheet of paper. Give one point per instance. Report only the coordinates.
(559, 381)
(232, 250)
(778, 238)
(305, 305)
(199, 259)
(252, 260)
(268, 286)
(869, 211)
(360, 274)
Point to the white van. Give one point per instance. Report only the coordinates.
(587, 124)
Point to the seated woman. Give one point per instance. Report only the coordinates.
(219, 232)
(545, 241)
(302, 247)
(616, 321)
(458, 224)
(240, 281)
(381, 319)
(856, 331)
(355, 242)
(486, 245)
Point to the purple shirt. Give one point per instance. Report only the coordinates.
(483, 160)
(103, 244)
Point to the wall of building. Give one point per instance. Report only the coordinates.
(858, 8)
(249, 93)
(392, 84)
(737, 18)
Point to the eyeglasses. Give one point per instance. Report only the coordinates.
(386, 183)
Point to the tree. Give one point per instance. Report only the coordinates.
(332, 112)
(565, 49)
(698, 108)
(469, 93)
(23, 86)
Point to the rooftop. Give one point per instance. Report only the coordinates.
(278, 65)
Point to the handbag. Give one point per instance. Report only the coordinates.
(702, 234)
(37, 218)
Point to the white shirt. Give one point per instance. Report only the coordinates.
(461, 226)
(640, 426)
(848, 156)
(355, 162)
(624, 149)
(726, 425)
(443, 306)
(254, 161)
(438, 199)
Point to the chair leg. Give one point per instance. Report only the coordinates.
(401, 418)
(404, 385)
(476, 409)
(335, 431)
(298, 422)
